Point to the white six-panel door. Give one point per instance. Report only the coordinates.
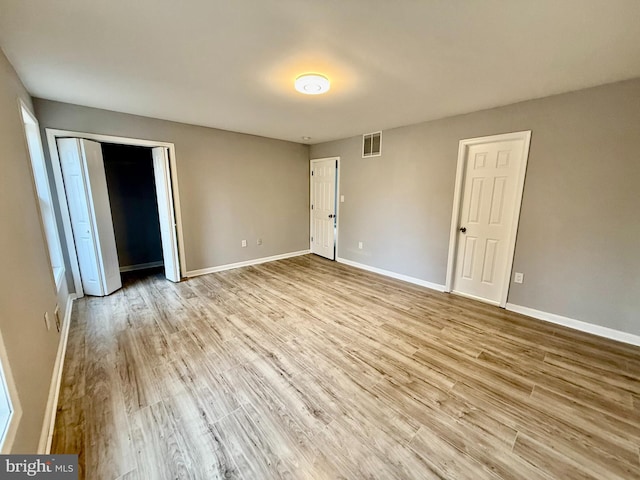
(323, 207)
(90, 212)
(490, 200)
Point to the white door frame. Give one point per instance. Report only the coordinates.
(337, 236)
(52, 135)
(463, 148)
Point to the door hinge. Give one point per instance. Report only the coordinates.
(312, 239)
(312, 173)
(312, 206)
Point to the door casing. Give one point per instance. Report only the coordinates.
(525, 137)
(337, 236)
(53, 135)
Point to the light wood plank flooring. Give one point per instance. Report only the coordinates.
(308, 369)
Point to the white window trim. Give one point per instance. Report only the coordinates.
(8, 385)
(43, 189)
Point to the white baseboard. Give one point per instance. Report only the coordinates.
(577, 324)
(44, 446)
(141, 266)
(388, 273)
(247, 263)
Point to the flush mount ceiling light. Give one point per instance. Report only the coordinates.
(312, 84)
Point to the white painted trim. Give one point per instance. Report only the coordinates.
(16, 413)
(247, 263)
(310, 203)
(43, 189)
(58, 275)
(337, 207)
(140, 266)
(337, 202)
(52, 134)
(463, 146)
(605, 332)
(46, 435)
(388, 273)
(64, 211)
(455, 215)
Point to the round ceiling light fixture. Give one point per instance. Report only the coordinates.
(312, 84)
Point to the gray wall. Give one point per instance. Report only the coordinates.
(580, 223)
(232, 186)
(27, 289)
(134, 206)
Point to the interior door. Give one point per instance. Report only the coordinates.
(166, 213)
(88, 199)
(489, 195)
(323, 207)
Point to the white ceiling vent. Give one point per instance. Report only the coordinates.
(372, 144)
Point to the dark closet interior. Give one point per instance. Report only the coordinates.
(134, 206)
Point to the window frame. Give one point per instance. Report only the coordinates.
(42, 190)
(8, 426)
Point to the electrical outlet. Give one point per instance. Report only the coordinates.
(259, 242)
(244, 243)
(341, 198)
(46, 320)
(56, 315)
(518, 277)
(360, 245)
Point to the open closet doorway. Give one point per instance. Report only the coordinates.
(120, 208)
(134, 206)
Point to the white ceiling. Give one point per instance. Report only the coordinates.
(231, 64)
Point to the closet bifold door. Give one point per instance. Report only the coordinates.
(166, 213)
(90, 212)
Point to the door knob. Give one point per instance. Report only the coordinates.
(330, 215)
(463, 229)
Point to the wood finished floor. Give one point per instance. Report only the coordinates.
(308, 369)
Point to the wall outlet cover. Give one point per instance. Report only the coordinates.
(518, 277)
(244, 243)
